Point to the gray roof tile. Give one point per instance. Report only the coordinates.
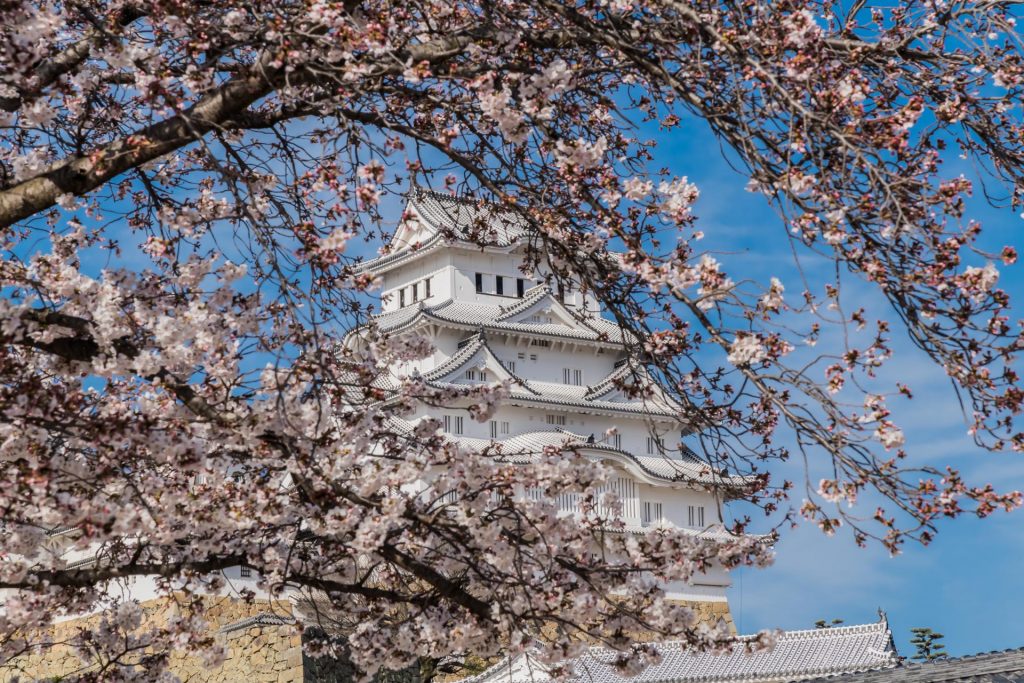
(797, 656)
(468, 220)
(498, 318)
(1006, 666)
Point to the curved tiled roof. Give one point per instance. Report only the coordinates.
(529, 446)
(465, 355)
(524, 448)
(549, 394)
(497, 318)
(536, 391)
(470, 216)
(796, 656)
(469, 220)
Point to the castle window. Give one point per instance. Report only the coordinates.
(696, 515)
(572, 376)
(401, 298)
(651, 513)
(479, 283)
(655, 445)
(426, 288)
(617, 441)
(415, 292)
(504, 427)
(471, 374)
(520, 287)
(558, 420)
(494, 429)
(543, 343)
(447, 420)
(499, 285)
(521, 356)
(245, 572)
(511, 364)
(458, 424)
(533, 356)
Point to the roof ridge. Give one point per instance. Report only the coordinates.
(607, 379)
(461, 197)
(864, 628)
(457, 359)
(477, 341)
(525, 302)
(260, 619)
(519, 380)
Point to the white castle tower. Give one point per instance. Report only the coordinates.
(571, 377)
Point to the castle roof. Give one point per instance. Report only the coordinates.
(437, 219)
(475, 353)
(512, 319)
(675, 467)
(796, 656)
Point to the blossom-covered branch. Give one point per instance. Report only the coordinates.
(181, 187)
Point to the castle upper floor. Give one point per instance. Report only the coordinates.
(448, 247)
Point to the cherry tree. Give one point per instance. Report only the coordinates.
(181, 185)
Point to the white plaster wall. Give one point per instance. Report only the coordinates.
(436, 266)
(453, 276)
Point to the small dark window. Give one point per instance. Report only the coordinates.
(401, 298)
(499, 283)
(426, 288)
(561, 292)
(415, 292)
(520, 287)
(479, 283)
(246, 572)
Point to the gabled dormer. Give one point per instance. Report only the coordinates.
(542, 307)
(475, 363)
(629, 384)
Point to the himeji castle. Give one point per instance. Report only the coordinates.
(573, 385)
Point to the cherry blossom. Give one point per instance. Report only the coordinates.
(185, 189)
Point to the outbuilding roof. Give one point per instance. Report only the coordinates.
(796, 656)
(1006, 666)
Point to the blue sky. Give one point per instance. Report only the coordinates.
(965, 584)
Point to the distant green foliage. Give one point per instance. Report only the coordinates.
(927, 644)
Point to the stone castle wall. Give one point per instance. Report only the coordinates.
(257, 653)
(259, 648)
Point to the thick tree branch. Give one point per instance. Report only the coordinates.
(219, 108)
